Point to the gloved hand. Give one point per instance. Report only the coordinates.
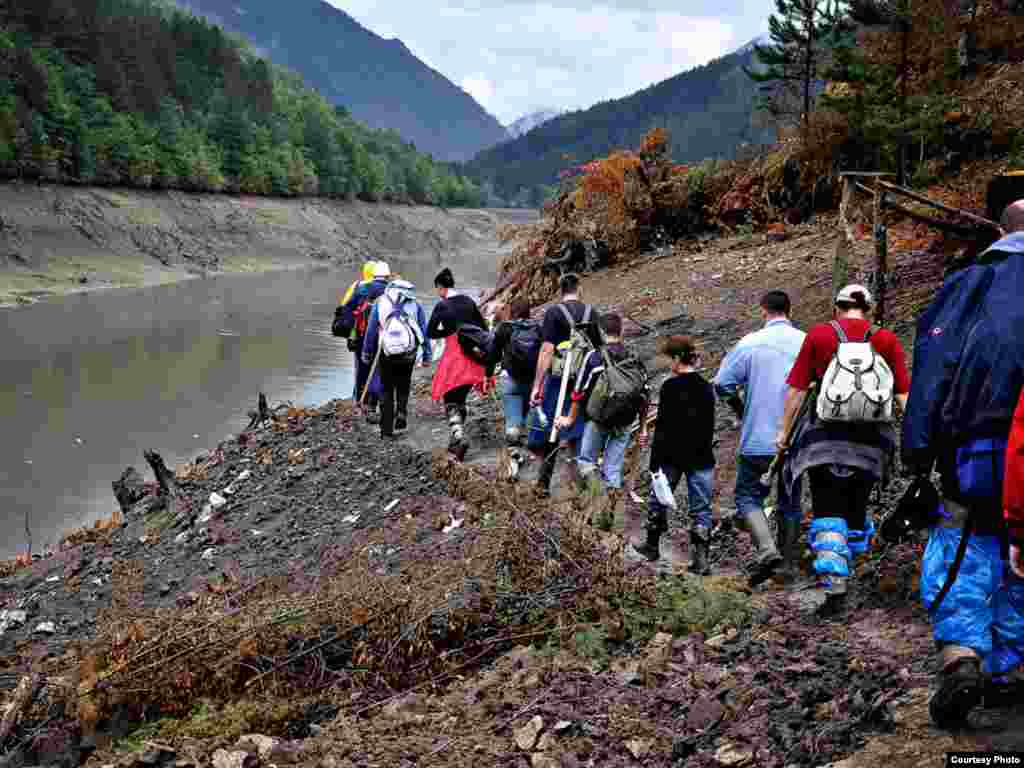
(351, 344)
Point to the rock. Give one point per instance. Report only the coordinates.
(243, 476)
(208, 553)
(165, 589)
(181, 538)
(12, 620)
(262, 744)
(285, 753)
(217, 501)
(562, 726)
(704, 714)
(543, 760)
(526, 737)
(129, 489)
(639, 748)
(547, 743)
(235, 759)
(718, 641)
(45, 628)
(732, 756)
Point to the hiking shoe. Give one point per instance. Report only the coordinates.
(960, 690)
(373, 417)
(650, 550)
(401, 424)
(764, 569)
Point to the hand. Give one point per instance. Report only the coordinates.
(563, 422)
(781, 441)
(642, 440)
(1017, 560)
(535, 396)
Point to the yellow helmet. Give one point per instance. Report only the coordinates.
(368, 269)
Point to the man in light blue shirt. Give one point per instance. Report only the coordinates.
(759, 365)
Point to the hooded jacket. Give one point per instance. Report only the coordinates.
(968, 358)
(399, 293)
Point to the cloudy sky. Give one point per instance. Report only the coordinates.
(516, 56)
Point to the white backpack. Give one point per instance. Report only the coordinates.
(399, 336)
(858, 384)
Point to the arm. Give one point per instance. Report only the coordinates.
(733, 374)
(794, 400)
(1013, 491)
(547, 351)
(372, 329)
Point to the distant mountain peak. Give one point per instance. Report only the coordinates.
(529, 121)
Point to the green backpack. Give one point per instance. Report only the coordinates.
(579, 342)
(619, 392)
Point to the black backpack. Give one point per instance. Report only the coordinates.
(476, 342)
(522, 351)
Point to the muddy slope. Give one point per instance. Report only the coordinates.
(54, 240)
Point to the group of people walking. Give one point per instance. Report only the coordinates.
(820, 405)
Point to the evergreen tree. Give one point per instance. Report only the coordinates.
(801, 32)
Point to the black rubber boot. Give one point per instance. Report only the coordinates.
(651, 548)
(457, 446)
(699, 546)
(791, 550)
(960, 690)
(401, 422)
(768, 557)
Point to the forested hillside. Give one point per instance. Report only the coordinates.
(379, 81)
(139, 93)
(708, 111)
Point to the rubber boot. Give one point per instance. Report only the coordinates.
(959, 691)
(651, 548)
(768, 557)
(832, 556)
(401, 422)
(699, 546)
(547, 471)
(791, 550)
(456, 443)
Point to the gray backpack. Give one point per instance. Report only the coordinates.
(858, 384)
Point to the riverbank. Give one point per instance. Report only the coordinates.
(362, 602)
(57, 240)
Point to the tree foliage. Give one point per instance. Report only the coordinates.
(139, 93)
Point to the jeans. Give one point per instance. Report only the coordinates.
(699, 485)
(614, 445)
(515, 399)
(750, 493)
(396, 378)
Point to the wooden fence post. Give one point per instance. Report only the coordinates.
(844, 245)
(881, 255)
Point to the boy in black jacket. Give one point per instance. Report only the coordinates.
(683, 446)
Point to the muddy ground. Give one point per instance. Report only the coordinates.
(780, 688)
(56, 240)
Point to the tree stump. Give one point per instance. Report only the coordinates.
(129, 489)
(168, 490)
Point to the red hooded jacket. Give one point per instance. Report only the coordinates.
(1013, 487)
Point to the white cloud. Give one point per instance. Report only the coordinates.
(516, 56)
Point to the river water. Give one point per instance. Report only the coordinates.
(92, 380)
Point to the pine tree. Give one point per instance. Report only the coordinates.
(801, 33)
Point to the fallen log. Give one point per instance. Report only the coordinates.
(24, 695)
(898, 190)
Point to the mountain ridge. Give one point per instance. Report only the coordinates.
(531, 120)
(379, 81)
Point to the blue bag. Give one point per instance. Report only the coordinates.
(980, 467)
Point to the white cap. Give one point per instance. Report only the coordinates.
(381, 269)
(855, 294)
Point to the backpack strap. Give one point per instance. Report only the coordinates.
(586, 314)
(569, 317)
(843, 338)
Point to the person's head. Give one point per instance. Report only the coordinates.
(681, 350)
(1012, 219)
(368, 269)
(569, 285)
(853, 301)
(381, 271)
(444, 282)
(519, 310)
(611, 324)
(775, 304)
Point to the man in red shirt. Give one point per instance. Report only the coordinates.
(843, 461)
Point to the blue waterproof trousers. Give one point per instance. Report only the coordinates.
(984, 609)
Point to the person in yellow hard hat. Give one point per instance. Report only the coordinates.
(367, 276)
(345, 317)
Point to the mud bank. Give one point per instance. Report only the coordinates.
(57, 240)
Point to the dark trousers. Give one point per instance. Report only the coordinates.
(362, 375)
(844, 496)
(396, 378)
(458, 396)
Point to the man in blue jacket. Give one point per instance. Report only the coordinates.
(968, 373)
(759, 364)
(359, 303)
(398, 326)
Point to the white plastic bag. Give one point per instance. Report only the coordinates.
(662, 489)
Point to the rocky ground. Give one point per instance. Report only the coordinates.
(573, 657)
(56, 240)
